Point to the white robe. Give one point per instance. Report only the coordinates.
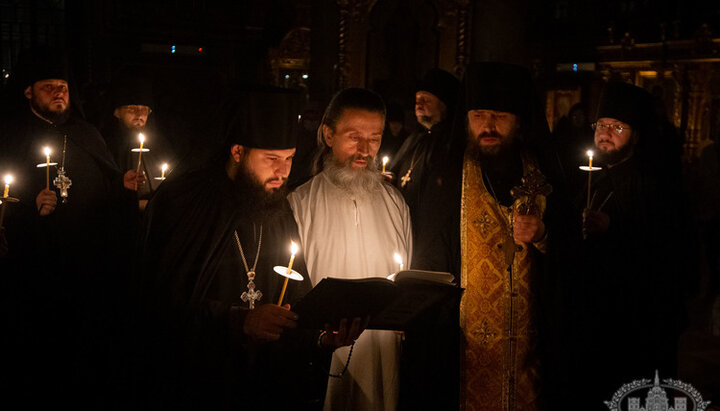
(345, 237)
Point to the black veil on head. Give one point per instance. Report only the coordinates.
(509, 88)
(35, 64)
(263, 117)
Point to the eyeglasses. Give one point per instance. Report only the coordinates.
(618, 128)
(142, 110)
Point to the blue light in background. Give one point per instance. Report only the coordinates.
(172, 49)
(575, 67)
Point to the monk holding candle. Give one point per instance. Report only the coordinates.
(212, 240)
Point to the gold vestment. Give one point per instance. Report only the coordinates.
(497, 371)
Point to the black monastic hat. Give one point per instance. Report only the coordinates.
(42, 63)
(625, 102)
(442, 84)
(265, 118)
(499, 87)
(130, 88)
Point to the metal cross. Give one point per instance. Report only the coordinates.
(406, 178)
(251, 295)
(533, 185)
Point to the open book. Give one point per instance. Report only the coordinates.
(392, 304)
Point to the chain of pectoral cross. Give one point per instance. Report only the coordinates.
(251, 295)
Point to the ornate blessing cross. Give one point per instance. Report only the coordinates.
(251, 295)
(533, 185)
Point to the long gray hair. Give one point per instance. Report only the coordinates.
(349, 98)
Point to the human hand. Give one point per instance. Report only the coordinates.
(595, 222)
(132, 180)
(527, 229)
(46, 201)
(344, 335)
(388, 176)
(266, 322)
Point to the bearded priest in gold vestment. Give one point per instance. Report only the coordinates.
(502, 233)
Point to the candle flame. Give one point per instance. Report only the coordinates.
(590, 153)
(47, 151)
(164, 167)
(398, 259)
(141, 137)
(8, 179)
(385, 160)
(293, 248)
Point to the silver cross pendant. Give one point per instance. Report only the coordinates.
(251, 295)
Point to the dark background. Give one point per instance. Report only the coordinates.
(671, 47)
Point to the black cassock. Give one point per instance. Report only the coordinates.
(65, 273)
(629, 287)
(193, 280)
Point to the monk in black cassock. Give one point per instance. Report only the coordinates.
(425, 150)
(132, 107)
(636, 262)
(212, 239)
(64, 251)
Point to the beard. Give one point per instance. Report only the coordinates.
(258, 203)
(616, 156)
(356, 182)
(506, 145)
(57, 117)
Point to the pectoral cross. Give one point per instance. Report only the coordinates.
(62, 182)
(251, 295)
(406, 178)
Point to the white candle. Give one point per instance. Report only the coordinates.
(399, 260)
(141, 137)
(47, 151)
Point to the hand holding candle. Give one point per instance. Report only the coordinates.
(293, 251)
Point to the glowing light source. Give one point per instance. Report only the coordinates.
(399, 260)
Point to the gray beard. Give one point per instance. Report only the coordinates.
(355, 182)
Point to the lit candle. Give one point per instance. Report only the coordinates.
(141, 137)
(385, 161)
(163, 169)
(8, 181)
(46, 150)
(293, 251)
(399, 260)
(590, 170)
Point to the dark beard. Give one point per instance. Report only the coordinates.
(53, 116)
(256, 203)
(615, 156)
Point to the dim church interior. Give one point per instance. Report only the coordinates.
(193, 49)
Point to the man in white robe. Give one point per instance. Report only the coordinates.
(351, 224)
